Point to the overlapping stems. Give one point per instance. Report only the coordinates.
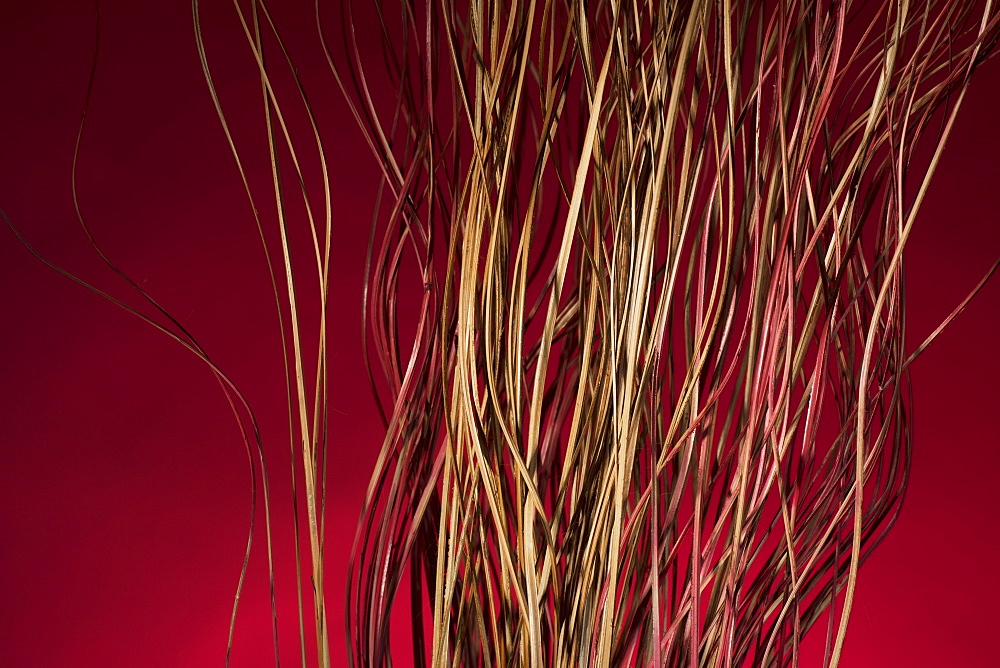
(654, 408)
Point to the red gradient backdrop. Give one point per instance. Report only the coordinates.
(124, 486)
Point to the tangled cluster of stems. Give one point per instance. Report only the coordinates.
(654, 408)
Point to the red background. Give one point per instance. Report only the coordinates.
(123, 480)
